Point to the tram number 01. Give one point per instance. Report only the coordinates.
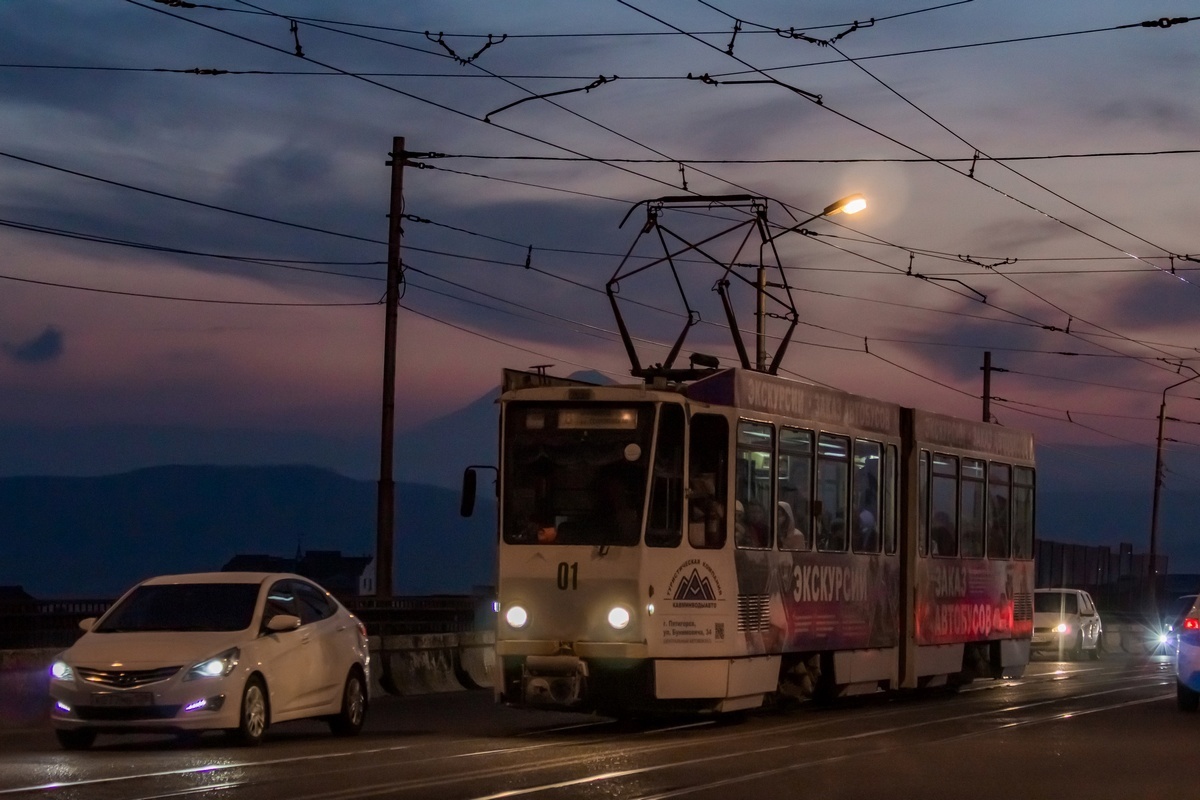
(568, 575)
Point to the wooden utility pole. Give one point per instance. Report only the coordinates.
(385, 518)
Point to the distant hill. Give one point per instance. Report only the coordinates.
(93, 537)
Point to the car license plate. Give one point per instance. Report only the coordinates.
(123, 699)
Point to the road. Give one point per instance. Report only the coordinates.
(1066, 730)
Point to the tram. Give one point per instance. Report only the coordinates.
(707, 545)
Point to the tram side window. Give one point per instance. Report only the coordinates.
(794, 514)
(923, 520)
(751, 522)
(889, 499)
(663, 528)
(971, 493)
(864, 519)
(999, 495)
(944, 504)
(708, 447)
(1023, 501)
(833, 480)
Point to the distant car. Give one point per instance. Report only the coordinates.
(1172, 617)
(1066, 621)
(232, 651)
(1187, 660)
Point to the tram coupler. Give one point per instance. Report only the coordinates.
(554, 680)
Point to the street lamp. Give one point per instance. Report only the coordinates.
(1158, 482)
(850, 204)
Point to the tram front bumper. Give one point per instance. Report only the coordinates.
(576, 676)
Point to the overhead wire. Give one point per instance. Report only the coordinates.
(401, 92)
(817, 100)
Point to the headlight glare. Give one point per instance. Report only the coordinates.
(1062, 627)
(62, 671)
(516, 616)
(618, 617)
(216, 667)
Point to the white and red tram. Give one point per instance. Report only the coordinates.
(706, 545)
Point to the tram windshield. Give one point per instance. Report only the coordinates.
(575, 473)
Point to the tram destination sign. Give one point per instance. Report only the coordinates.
(970, 435)
(756, 391)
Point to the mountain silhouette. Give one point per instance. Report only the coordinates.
(94, 537)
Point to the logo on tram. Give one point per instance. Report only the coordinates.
(695, 589)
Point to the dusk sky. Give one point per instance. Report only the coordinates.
(206, 253)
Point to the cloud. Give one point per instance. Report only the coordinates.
(46, 346)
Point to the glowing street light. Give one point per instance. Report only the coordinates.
(850, 204)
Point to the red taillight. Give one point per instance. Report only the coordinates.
(1191, 624)
(361, 628)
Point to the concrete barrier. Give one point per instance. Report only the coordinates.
(25, 686)
(477, 658)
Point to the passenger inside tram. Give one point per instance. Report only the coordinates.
(790, 535)
(706, 517)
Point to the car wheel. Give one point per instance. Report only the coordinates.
(75, 738)
(1076, 651)
(350, 719)
(252, 722)
(1187, 699)
(1095, 652)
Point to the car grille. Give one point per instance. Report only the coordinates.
(125, 679)
(125, 714)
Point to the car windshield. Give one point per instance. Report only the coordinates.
(1056, 602)
(184, 607)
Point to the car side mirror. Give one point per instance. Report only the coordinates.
(86, 625)
(283, 622)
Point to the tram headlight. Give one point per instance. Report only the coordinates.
(516, 616)
(618, 617)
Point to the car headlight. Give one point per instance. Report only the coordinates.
(618, 617)
(61, 671)
(516, 616)
(1062, 627)
(216, 667)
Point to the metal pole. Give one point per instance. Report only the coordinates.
(987, 385)
(760, 358)
(385, 518)
(1152, 570)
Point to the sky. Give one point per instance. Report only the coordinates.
(192, 263)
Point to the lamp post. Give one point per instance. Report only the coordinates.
(1158, 482)
(850, 204)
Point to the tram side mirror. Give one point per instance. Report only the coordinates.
(467, 504)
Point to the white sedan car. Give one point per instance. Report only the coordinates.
(1066, 622)
(232, 651)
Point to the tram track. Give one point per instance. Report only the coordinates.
(529, 762)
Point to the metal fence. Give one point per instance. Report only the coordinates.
(55, 623)
(1118, 579)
